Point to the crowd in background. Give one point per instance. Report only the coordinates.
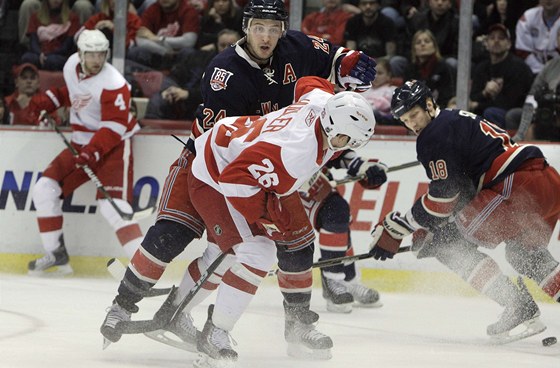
(514, 43)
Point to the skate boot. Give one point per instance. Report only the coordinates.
(51, 264)
(304, 341)
(519, 320)
(109, 330)
(335, 292)
(214, 346)
(183, 328)
(363, 296)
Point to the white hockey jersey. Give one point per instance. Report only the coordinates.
(245, 157)
(533, 36)
(99, 101)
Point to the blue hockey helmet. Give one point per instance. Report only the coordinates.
(410, 94)
(265, 9)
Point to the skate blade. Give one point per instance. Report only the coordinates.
(204, 361)
(161, 336)
(55, 271)
(302, 352)
(376, 304)
(531, 327)
(106, 343)
(339, 308)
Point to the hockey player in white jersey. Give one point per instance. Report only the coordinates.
(99, 101)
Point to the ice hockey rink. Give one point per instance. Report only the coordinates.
(55, 323)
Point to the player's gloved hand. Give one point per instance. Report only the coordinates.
(317, 188)
(375, 172)
(387, 236)
(287, 222)
(87, 156)
(356, 71)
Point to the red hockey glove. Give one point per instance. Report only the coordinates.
(287, 222)
(388, 234)
(375, 171)
(356, 71)
(317, 188)
(87, 156)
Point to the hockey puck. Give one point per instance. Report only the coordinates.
(549, 341)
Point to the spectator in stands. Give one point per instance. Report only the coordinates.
(18, 104)
(135, 6)
(428, 66)
(82, 8)
(442, 20)
(103, 21)
(497, 12)
(328, 23)
(381, 92)
(502, 82)
(374, 33)
(540, 118)
(169, 31)
(51, 31)
(180, 95)
(535, 31)
(221, 14)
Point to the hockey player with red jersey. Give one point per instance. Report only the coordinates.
(254, 77)
(99, 101)
(484, 190)
(244, 184)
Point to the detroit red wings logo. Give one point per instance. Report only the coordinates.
(80, 101)
(219, 79)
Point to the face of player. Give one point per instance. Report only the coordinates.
(262, 38)
(28, 82)
(416, 119)
(424, 46)
(340, 141)
(93, 61)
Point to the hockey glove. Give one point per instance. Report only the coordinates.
(287, 222)
(356, 71)
(103, 141)
(375, 172)
(317, 188)
(388, 234)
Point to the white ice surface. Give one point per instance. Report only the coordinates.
(55, 323)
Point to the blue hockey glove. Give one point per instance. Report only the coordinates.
(356, 71)
(375, 172)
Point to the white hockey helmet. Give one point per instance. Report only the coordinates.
(92, 40)
(350, 114)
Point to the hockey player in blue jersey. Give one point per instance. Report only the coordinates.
(255, 76)
(485, 189)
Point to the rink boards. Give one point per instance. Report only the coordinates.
(25, 153)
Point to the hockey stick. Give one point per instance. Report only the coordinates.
(346, 260)
(125, 216)
(168, 313)
(351, 179)
(117, 271)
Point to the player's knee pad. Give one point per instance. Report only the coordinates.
(334, 215)
(165, 240)
(297, 261)
(46, 197)
(258, 253)
(460, 257)
(110, 213)
(536, 264)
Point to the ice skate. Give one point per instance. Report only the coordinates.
(337, 295)
(304, 341)
(519, 320)
(109, 330)
(183, 328)
(364, 297)
(214, 346)
(51, 264)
